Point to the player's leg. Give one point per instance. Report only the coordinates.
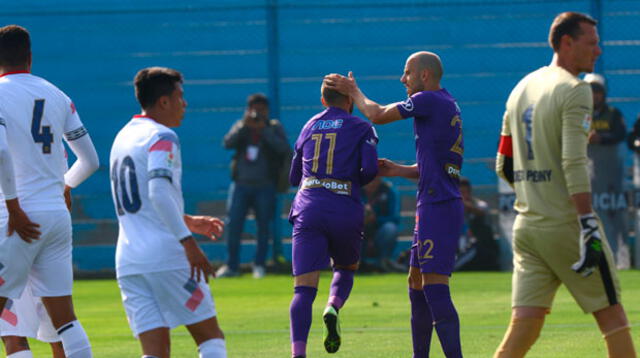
(57, 350)
(264, 205)
(156, 342)
(616, 331)
(300, 310)
(341, 286)
(598, 293)
(184, 301)
(310, 254)
(344, 231)
(145, 316)
(52, 279)
(16, 347)
(443, 311)
(238, 208)
(73, 336)
(421, 319)
(438, 233)
(534, 286)
(209, 338)
(524, 329)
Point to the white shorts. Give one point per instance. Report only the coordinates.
(45, 262)
(165, 299)
(27, 317)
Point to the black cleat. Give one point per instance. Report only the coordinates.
(331, 330)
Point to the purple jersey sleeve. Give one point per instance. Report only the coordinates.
(369, 157)
(415, 106)
(295, 174)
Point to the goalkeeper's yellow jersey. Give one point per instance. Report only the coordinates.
(548, 116)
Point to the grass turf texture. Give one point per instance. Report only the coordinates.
(254, 315)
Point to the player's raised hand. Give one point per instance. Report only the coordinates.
(208, 226)
(590, 246)
(342, 84)
(19, 222)
(200, 266)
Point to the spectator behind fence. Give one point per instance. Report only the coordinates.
(259, 145)
(478, 249)
(381, 217)
(607, 169)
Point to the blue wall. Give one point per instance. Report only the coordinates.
(92, 49)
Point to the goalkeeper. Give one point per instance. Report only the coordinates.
(557, 238)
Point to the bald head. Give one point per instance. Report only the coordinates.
(429, 61)
(422, 72)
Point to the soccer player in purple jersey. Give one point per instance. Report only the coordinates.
(335, 155)
(438, 132)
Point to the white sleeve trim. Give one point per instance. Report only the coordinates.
(87, 162)
(166, 207)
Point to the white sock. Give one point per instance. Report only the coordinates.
(213, 348)
(21, 354)
(74, 340)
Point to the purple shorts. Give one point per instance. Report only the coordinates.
(436, 236)
(318, 236)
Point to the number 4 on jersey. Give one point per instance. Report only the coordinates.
(41, 134)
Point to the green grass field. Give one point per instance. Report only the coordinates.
(255, 317)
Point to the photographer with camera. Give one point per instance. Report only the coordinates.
(259, 143)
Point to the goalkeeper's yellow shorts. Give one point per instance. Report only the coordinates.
(542, 259)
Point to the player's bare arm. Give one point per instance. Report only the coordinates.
(208, 226)
(375, 112)
(388, 168)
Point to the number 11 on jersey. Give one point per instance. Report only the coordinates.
(331, 137)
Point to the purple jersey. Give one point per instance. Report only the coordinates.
(439, 145)
(335, 155)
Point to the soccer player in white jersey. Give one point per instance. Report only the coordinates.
(35, 245)
(161, 271)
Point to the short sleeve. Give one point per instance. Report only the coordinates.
(506, 130)
(163, 155)
(414, 106)
(371, 136)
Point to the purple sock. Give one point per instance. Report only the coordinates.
(421, 323)
(445, 319)
(300, 313)
(341, 286)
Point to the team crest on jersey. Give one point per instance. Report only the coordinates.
(586, 122)
(407, 105)
(170, 158)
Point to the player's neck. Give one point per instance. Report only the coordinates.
(157, 116)
(342, 108)
(432, 86)
(564, 63)
(13, 69)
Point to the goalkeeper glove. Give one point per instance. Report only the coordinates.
(590, 245)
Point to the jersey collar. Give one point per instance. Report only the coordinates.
(141, 116)
(13, 73)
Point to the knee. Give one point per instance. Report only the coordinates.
(352, 267)
(415, 281)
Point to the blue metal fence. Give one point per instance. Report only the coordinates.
(228, 49)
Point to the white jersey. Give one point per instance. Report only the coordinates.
(145, 149)
(36, 115)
